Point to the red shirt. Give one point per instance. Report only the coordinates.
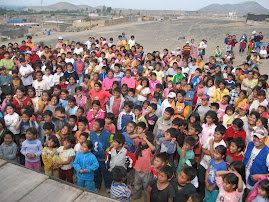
(79, 67)
(63, 86)
(230, 133)
(26, 102)
(231, 157)
(111, 128)
(101, 96)
(23, 48)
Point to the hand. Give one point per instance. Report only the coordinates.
(30, 120)
(85, 170)
(210, 188)
(29, 156)
(56, 164)
(256, 177)
(5, 84)
(174, 139)
(95, 112)
(143, 136)
(183, 152)
(81, 171)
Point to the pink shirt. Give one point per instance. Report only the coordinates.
(207, 132)
(111, 128)
(101, 96)
(91, 118)
(221, 111)
(152, 85)
(226, 196)
(129, 81)
(166, 92)
(143, 163)
(81, 102)
(200, 91)
(108, 83)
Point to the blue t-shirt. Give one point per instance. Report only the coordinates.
(232, 84)
(25, 126)
(213, 169)
(72, 111)
(63, 103)
(129, 142)
(189, 95)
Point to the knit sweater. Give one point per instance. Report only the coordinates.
(32, 147)
(9, 151)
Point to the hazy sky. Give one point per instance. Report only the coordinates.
(137, 4)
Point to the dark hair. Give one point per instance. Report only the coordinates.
(261, 92)
(84, 134)
(32, 130)
(133, 123)
(170, 110)
(129, 104)
(182, 92)
(145, 79)
(57, 97)
(141, 125)
(264, 184)
(196, 116)
(27, 113)
(228, 97)
(190, 140)
(264, 121)
(177, 121)
(101, 122)
(213, 115)
(118, 173)
(57, 87)
(60, 108)
(78, 88)
(55, 140)
(222, 150)
(231, 179)
(119, 138)
(73, 117)
(239, 166)
(48, 126)
(48, 93)
(11, 105)
(158, 85)
(10, 134)
(172, 131)
(239, 142)
(168, 170)
(150, 136)
(47, 113)
(71, 98)
(117, 89)
(83, 120)
(88, 143)
(230, 107)
(164, 157)
(196, 197)
(238, 122)
(70, 139)
(110, 115)
(138, 107)
(153, 106)
(221, 129)
(190, 172)
(214, 104)
(197, 127)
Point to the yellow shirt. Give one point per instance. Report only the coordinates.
(218, 95)
(172, 61)
(201, 64)
(239, 103)
(122, 43)
(160, 75)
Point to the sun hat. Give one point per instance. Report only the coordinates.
(172, 95)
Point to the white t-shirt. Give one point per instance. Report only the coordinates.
(88, 43)
(78, 50)
(40, 87)
(69, 60)
(56, 78)
(49, 79)
(143, 91)
(77, 148)
(185, 70)
(206, 159)
(131, 43)
(24, 70)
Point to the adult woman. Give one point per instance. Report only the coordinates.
(210, 88)
(246, 84)
(21, 100)
(98, 94)
(7, 62)
(243, 43)
(259, 40)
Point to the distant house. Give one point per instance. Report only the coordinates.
(253, 18)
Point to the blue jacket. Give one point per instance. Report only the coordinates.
(75, 67)
(259, 164)
(86, 160)
(100, 144)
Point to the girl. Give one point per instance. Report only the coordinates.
(8, 148)
(170, 86)
(221, 91)
(222, 106)
(95, 113)
(32, 150)
(229, 116)
(65, 159)
(200, 91)
(124, 90)
(108, 82)
(46, 97)
(236, 130)
(193, 118)
(145, 106)
(210, 88)
(241, 99)
(81, 100)
(209, 125)
(72, 85)
(48, 77)
(143, 91)
(64, 132)
(95, 78)
(260, 192)
(57, 75)
(11, 120)
(79, 67)
(243, 111)
(230, 186)
(216, 164)
(85, 164)
(54, 103)
(32, 94)
(21, 100)
(82, 138)
(48, 153)
(8, 99)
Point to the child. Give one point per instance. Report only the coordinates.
(119, 191)
(230, 186)
(143, 91)
(150, 117)
(260, 191)
(236, 148)
(71, 109)
(26, 72)
(240, 100)
(31, 92)
(221, 91)
(45, 101)
(131, 96)
(65, 159)
(72, 123)
(83, 126)
(59, 118)
(8, 148)
(189, 97)
(208, 152)
(82, 138)
(128, 79)
(170, 86)
(168, 143)
(85, 164)
(178, 77)
(63, 83)
(129, 138)
(139, 117)
(182, 184)
(40, 85)
(108, 82)
(236, 130)
(16, 81)
(222, 106)
(54, 103)
(48, 77)
(230, 82)
(261, 100)
(209, 126)
(159, 161)
(109, 126)
(229, 116)
(235, 93)
(126, 116)
(204, 108)
(32, 150)
(20, 156)
(25, 122)
(48, 128)
(200, 91)
(81, 100)
(64, 132)
(216, 164)
(180, 106)
(159, 72)
(160, 189)
(11, 120)
(144, 155)
(72, 85)
(102, 141)
(70, 72)
(59, 73)
(115, 103)
(95, 113)
(185, 152)
(63, 100)
(144, 107)
(48, 153)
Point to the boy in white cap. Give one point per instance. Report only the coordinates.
(60, 42)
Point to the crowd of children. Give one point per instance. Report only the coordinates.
(170, 126)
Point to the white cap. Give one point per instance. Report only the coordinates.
(254, 32)
(60, 37)
(172, 95)
(187, 42)
(260, 133)
(151, 67)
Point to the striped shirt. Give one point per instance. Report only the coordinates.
(120, 192)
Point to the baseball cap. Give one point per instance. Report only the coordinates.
(151, 67)
(34, 49)
(187, 42)
(260, 133)
(28, 52)
(244, 106)
(60, 37)
(263, 105)
(193, 59)
(205, 97)
(178, 47)
(172, 95)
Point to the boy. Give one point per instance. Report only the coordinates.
(159, 72)
(214, 107)
(168, 143)
(189, 97)
(159, 161)
(179, 76)
(235, 93)
(115, 103)
(204, 108)
(126, 116)
(155, 100)
(182, 184)
(118, 155)
(167, 193)
(71, 108)
(63, 100)
(230, 82)
(72, 85)
(26, 72)
(63, 83)
(235, 152)
(83, 125)
(5, 80)
(101, 140)
(208, 152)
(151, 117)
(25, 122)
(129, 138)
(40, 85)
(186, 152)
(72, 123)
(177, 124)
(167, 102)
(195, 78)
(131, 96)
(260, 101)
(48, 128)
(59, 118)
(16, 81)
(194, 130)
(181, 108)
(70, 71)
(139, 117)
(47, 116)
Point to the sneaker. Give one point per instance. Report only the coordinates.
(96, 190)
(108, 190)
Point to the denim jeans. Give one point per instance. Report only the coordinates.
(89, 184)
(102, 172)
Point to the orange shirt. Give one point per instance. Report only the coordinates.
(178, 107)
(31, 45)
(137, 83)
(78, 134)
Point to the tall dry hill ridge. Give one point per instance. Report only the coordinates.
(240, 8)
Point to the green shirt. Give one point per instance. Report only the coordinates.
(177, 78)
(3, 79)
(7, 63)
(189, 155)
(141, 119)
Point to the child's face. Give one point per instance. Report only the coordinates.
(221, 86)
(64, 95)
(62, 82)
(39, 77)
(130, 93)
(72, 80)
(25, 118)
(261, 98)
(229, 112)
(78, 93)
(150, 109)
(47, 118)
(178, 86)
(217, 155)
(67, 144)
(21, 141)
(261, 110)
(235, 128)
(192, 131)
(127, 108)
(30, 136)
(167, 136)
(218, 136)
(162, 177)
(45, 97)
(192, 119)
(108, 121)
(182, 178)
(96, 107)
(96, 126)
(56, 91)
(175, 127)
(259, 123)
(187, 146)
(54, 101)
(39, 118)
(128, 74)
(82, 139)
(224, 101)
(230, 78)
(48, 132)
(233, 148)
(213, 108)
(116, 94)
(8, 139)
(158, 163)
(84, 148)
(262, 192)
(10, 110)
(47, 72)
(154, 100)
(189, 88)
(166, 115)
(81, 126)
(228, 187)
(180, 98)
(137, 112)
(71, 104)
(139, 130)
(71, 122)
(116, 145)
(130, 128)
(204, 102)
